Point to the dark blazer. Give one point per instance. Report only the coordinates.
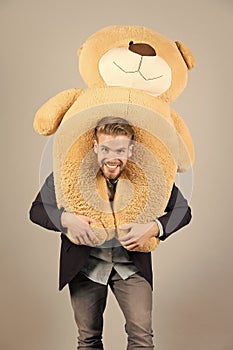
(44, 212)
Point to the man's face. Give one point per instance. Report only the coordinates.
(112, 154)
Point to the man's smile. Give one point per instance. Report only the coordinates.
(111, 166)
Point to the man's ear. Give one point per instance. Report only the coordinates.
(95, 146)
(130, 150)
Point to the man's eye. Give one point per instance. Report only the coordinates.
(121, 151)
(104, 149)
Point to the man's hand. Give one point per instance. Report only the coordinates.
(79, 230)
(138, 234)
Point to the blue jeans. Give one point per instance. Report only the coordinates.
(134, 296)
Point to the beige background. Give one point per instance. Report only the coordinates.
(193, 269)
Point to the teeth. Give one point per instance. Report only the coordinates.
(111, 166)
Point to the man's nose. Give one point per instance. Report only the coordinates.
(142, 49)
(112, 155)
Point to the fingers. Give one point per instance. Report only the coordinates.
(129, 241)
(93, 238)
(133, 246)
(79, 230)
(128, 238)
(126, 226)
(137, 237)
(84, 237)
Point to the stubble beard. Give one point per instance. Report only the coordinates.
(112, 170)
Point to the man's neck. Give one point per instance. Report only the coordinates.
(112, 181)
(111, 184)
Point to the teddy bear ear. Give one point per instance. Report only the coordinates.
(79, 50)
(186, 54)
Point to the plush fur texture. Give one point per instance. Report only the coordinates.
(133, 73)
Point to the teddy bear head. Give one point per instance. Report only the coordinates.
(135, 57)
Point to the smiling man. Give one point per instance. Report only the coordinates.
(113, 145)
(88, 268)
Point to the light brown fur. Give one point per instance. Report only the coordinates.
(166, 145)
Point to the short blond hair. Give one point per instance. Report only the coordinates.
(114, 126)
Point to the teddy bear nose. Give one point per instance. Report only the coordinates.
(142, 49)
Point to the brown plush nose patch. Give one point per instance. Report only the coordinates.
(142, 49)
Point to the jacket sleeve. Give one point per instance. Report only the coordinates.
(177, 214)
(44, 210)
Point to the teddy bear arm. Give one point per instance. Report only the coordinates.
(50, 114)
(186, 158)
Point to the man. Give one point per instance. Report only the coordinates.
(89, 268)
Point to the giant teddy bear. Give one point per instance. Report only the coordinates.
(134, 73)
